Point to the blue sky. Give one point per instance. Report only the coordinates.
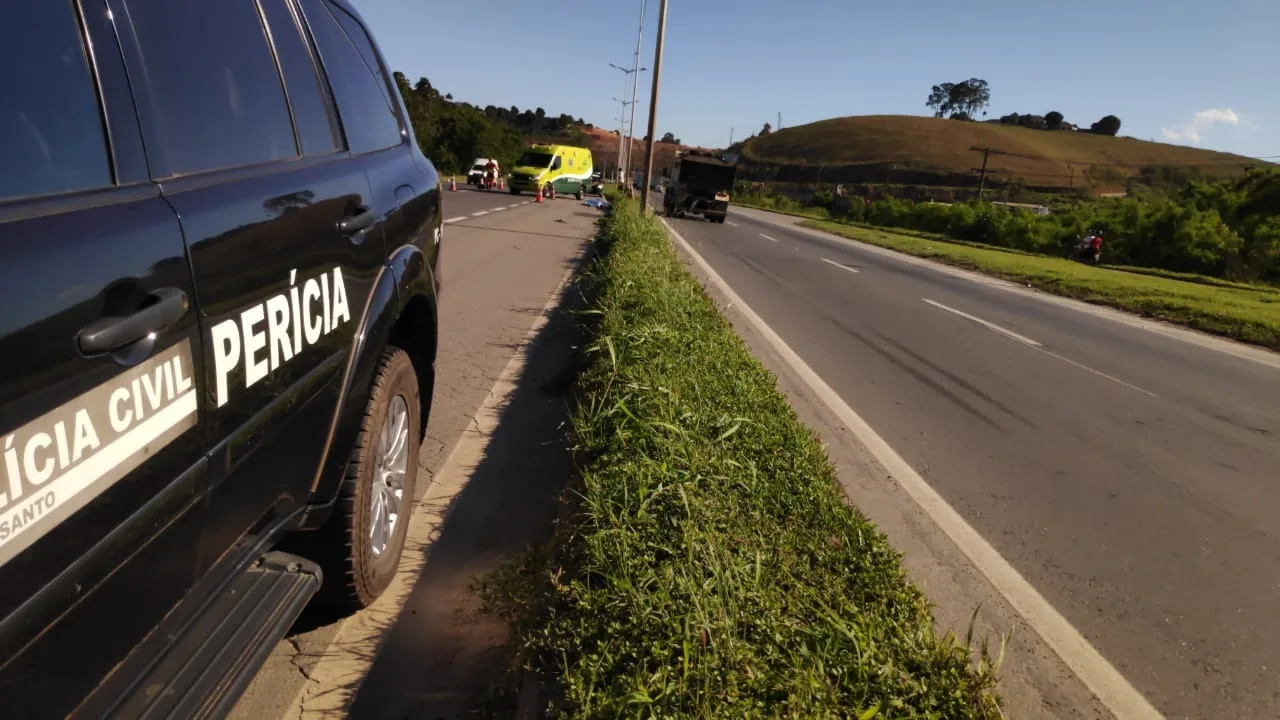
(1188, 71)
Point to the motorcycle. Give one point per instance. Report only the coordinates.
(1088, 250)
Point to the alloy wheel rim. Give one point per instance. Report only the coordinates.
(391, 463)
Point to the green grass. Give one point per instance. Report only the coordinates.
(782, 206)
(785, 206)
(1242, 312)
(708, 565)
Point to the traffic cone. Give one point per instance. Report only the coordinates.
(501, 184)
(453, 184)
(539, 198)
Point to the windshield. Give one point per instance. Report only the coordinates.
(478, 166)
(535, 159)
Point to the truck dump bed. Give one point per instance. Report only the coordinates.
(700, 184)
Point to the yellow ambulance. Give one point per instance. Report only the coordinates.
(564, 167)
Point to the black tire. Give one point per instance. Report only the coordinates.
(546, 191)
(353, 576)
(515, 191)
(582, 192)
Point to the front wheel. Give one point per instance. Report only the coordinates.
(582, 192)
(367, 532)
(515, 191)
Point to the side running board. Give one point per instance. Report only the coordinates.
(206, 669)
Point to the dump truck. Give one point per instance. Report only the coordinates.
(699, 185)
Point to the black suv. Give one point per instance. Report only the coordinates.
(218, 336)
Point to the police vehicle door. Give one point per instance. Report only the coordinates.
(285, 247)
(101, 457)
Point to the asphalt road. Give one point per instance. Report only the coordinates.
(1130, 476)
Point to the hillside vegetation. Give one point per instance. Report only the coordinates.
(856, 149)
(452, 133)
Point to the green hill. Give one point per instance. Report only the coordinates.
(913, 150)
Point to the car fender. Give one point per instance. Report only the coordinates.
(406, 275)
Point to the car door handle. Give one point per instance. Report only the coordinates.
(352, 224)
(167, 307)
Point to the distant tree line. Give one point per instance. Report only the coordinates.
(965, 100)
(454, 133)
(534, 122)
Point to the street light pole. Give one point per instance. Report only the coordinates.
(634, 78)
(635, 63)
(653, 108)
(622, 126)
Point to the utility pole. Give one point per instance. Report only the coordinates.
(730, 137)
(653, 108)
(779, 119)
(982, 177)
(635, 63)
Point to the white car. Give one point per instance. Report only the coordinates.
(476, 173)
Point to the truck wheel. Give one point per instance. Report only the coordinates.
(515, 191)
(369, 524)
(546, 191)
(582, 192)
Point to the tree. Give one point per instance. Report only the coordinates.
(670, 139)
(1053, 120)
(960, 101)
(940, 99)
(1109, 125)
(766, 129)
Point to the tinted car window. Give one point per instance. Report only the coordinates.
(51, 133)
(360, 38)
(367, 118)
(311, 116)
(215, 89)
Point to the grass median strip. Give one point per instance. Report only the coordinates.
(1241, 312)
(707, 564)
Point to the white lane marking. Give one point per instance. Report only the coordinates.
(452, 220)
(1028, 341)
(1099, 675)
(335, 679)
(478, 213)
(766, 237)
(1099, 373)
(988, 325)
(730, 222)
(1169, 330)
(514, 205)
(526, 202)
(842, 267)
(498, 209)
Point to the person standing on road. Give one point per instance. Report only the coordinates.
(491, 174)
